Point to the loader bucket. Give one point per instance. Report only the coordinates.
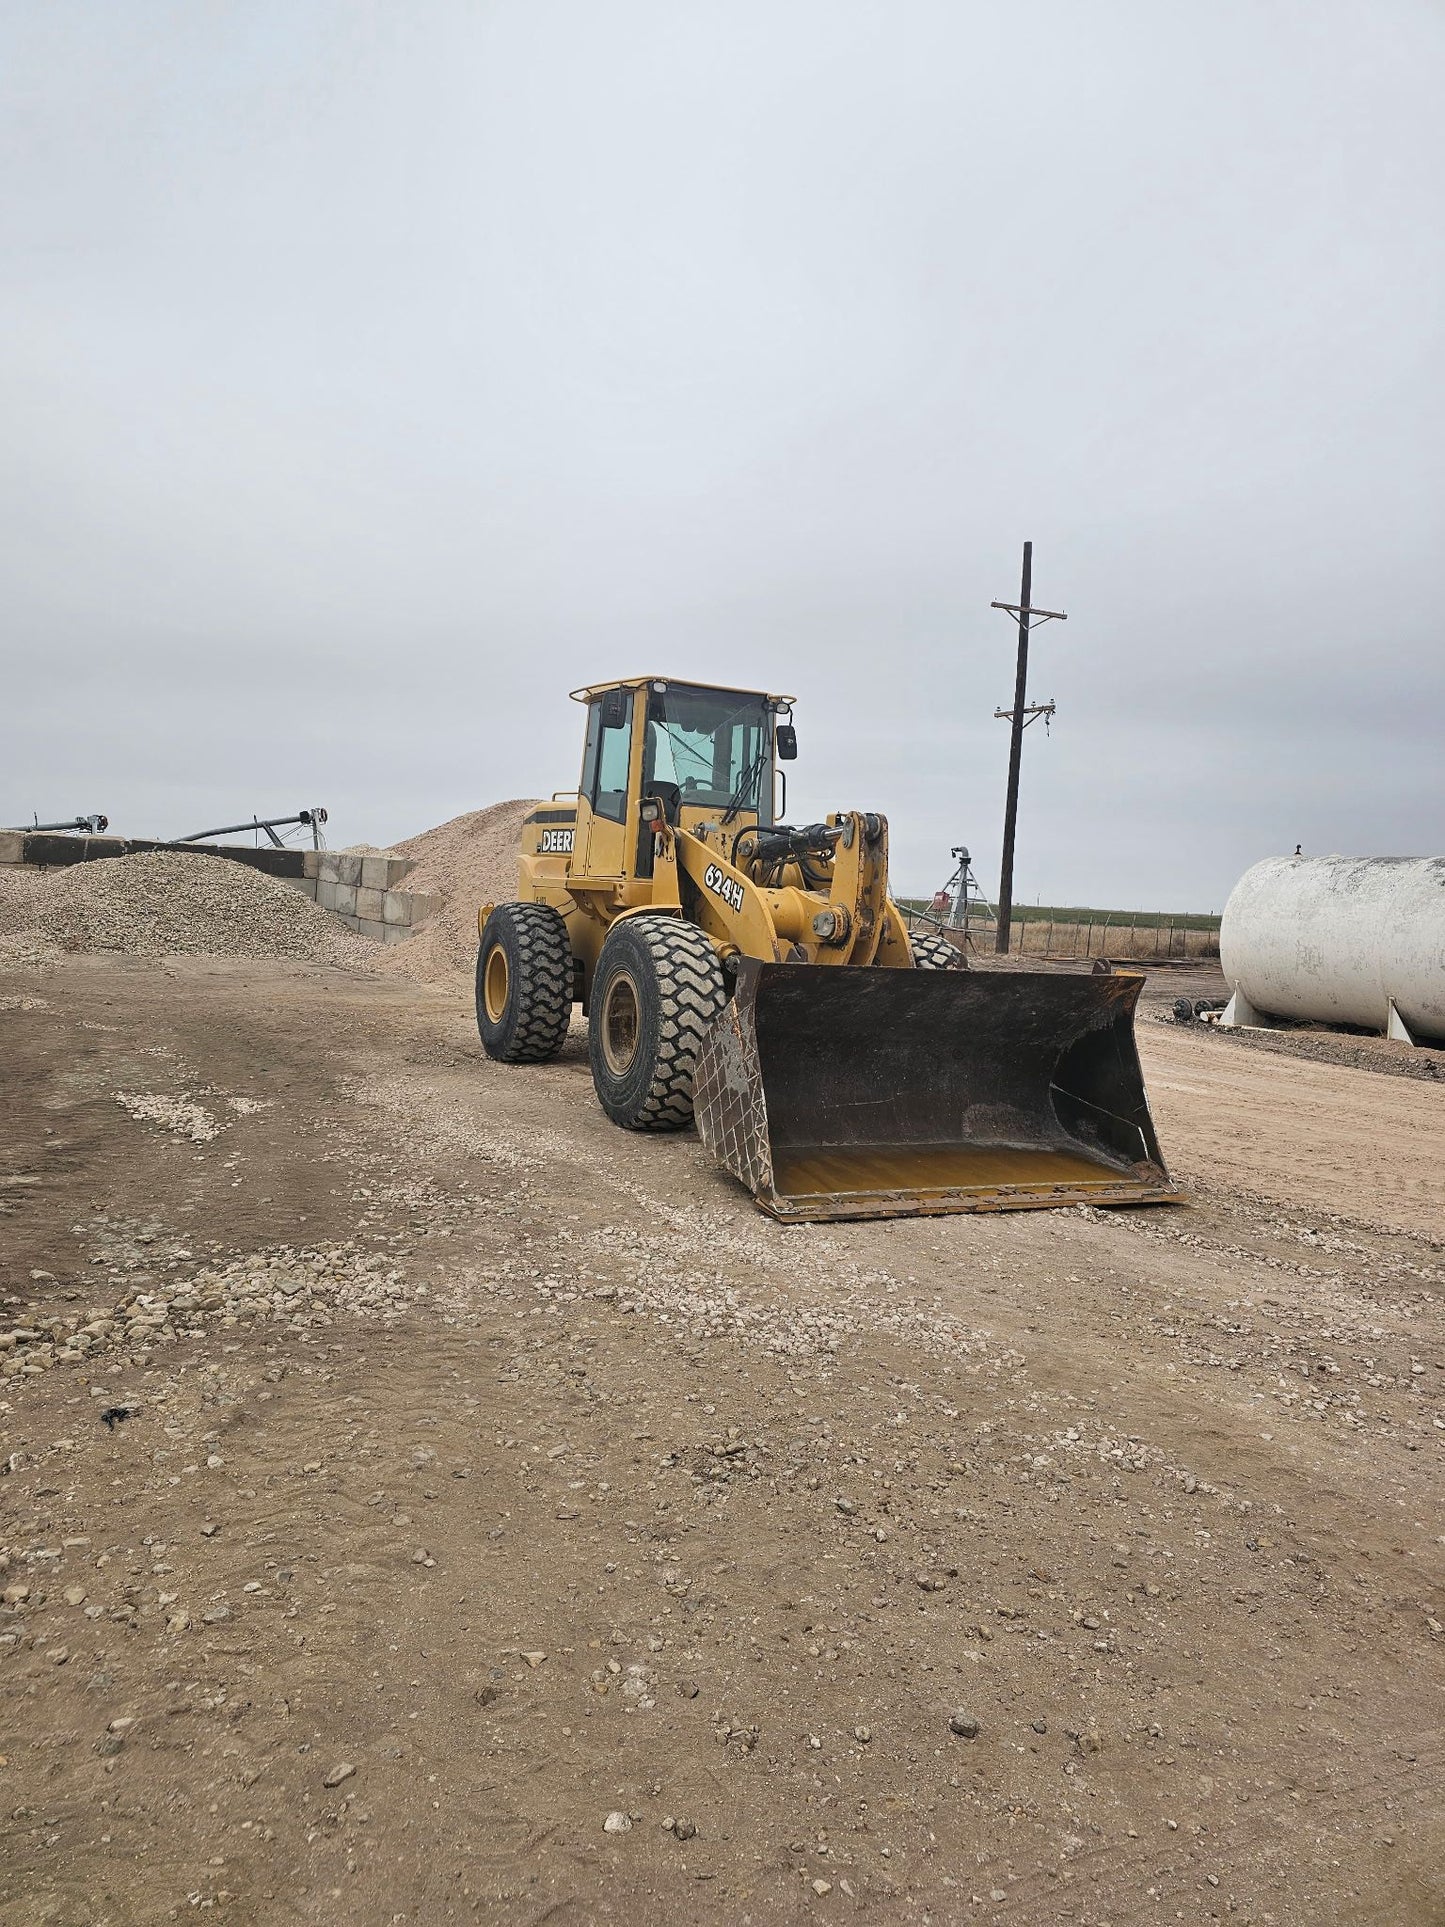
(835, 1092)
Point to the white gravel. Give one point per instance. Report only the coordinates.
(182, 1116)
(300, 1289)
(158, 904)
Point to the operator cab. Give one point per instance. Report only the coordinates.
(705, 754)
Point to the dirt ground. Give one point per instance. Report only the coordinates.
(498, 1519)
(1351, 1048)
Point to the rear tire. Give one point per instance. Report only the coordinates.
(657, 988)
(934, 953)
(524, 983)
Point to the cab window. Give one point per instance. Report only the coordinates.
(589, 753)
(604, 772)
(714, 746)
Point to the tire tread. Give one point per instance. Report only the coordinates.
(691, 991)
(931, 952)
(541, 980)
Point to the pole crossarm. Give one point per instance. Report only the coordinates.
(1022, 615)
(1032, 712)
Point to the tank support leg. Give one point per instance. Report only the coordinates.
(1240, 1014)
(1397, 1028)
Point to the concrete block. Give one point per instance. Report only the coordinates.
(396, 908)
(396, 932)
(311, 861)
(368, 904)
(423, 907)
(55, 849)
(368, 928)
(306, 885)
(337, 867)
(381, 872)
(339, 897)
(12, 846)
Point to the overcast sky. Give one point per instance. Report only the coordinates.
(372, 375)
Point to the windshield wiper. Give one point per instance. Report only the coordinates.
(747, 785)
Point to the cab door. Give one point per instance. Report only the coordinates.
(607, 787)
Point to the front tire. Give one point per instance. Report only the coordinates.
(524, 983)
(934, 953)
(657, 988)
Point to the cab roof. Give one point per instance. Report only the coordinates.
(589, 690)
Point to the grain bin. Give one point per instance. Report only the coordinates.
(1339, 940)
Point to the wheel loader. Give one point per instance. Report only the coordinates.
(756, 975)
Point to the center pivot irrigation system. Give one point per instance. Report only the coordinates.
(960, 902)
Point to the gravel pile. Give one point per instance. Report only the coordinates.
(470, 861)
(299, 1289)
(182, 1116)
(158, 905)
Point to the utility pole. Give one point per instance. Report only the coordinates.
(1020, 716)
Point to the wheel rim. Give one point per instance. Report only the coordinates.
(620, 1024)
(496, 982)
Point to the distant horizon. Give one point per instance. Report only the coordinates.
(298, 837)
(294, 839)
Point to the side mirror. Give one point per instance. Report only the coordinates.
(616, 708)
(787, 740)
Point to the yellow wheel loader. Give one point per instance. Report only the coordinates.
(757, 975)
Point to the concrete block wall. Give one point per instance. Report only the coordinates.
(361, 890)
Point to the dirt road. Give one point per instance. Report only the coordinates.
(498, 1519)
(1337, 1140)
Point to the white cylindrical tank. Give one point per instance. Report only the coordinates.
(1338, 939)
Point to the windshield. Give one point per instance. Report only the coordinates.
(715, 745)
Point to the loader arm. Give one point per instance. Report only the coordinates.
(853, 921)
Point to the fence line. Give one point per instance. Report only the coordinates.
(1089, 938)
